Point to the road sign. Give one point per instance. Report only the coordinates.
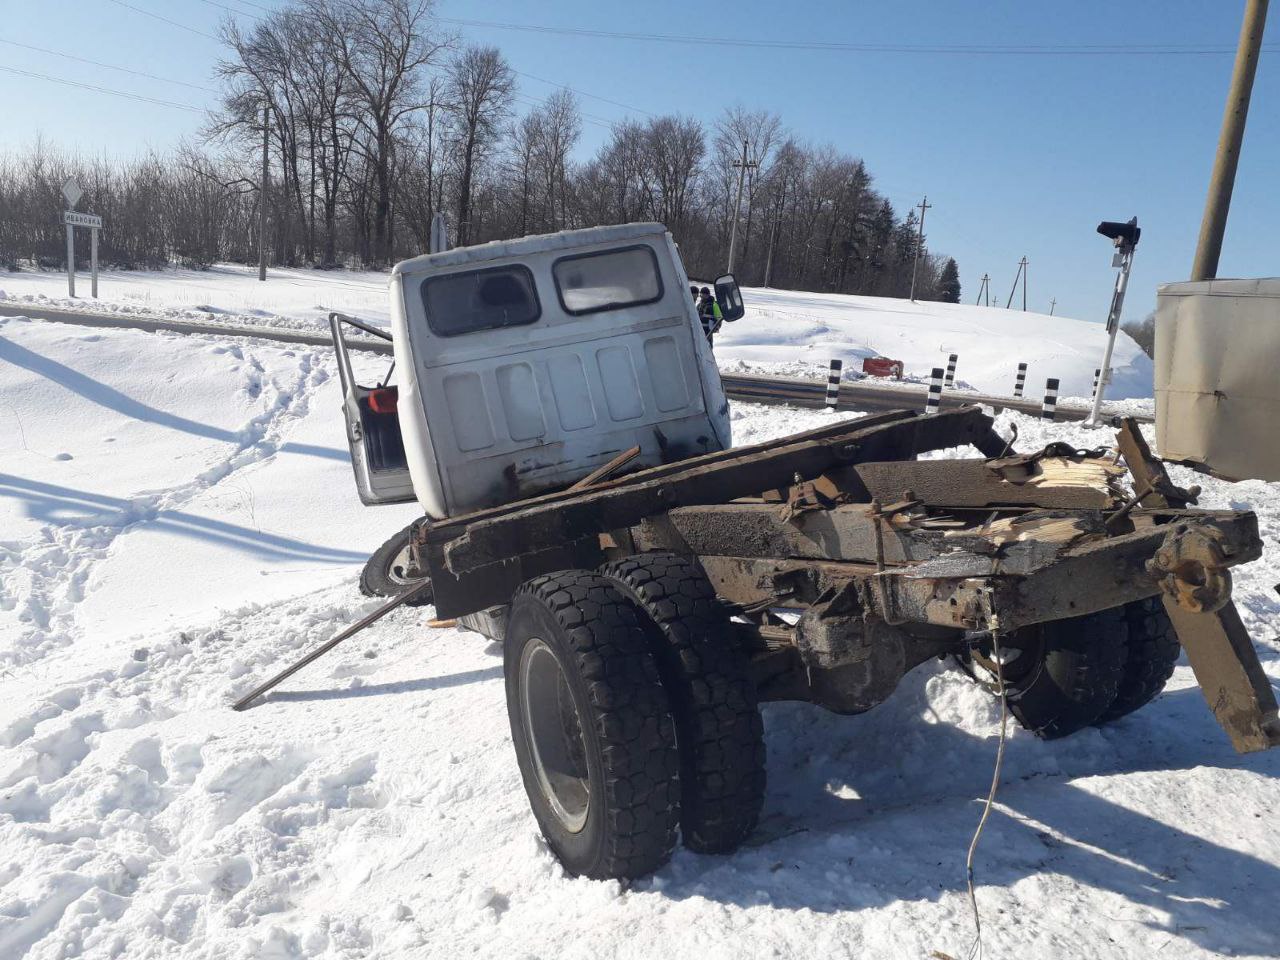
(81, 219)
(71, 190)
(73, 193)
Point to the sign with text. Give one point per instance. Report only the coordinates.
(73, 219)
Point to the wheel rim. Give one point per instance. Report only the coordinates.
(553, 730)
(398, 569)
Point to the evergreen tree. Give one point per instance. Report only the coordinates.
(949, 282)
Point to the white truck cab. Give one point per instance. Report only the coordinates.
(522, 366)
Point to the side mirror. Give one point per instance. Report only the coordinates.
(730, 298)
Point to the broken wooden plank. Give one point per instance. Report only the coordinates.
(971, 483)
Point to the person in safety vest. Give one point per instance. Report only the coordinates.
(709, 313)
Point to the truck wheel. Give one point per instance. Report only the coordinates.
(388, 574)
(713, 701)
(592, 726)
(1061, 676)
(1152, 652)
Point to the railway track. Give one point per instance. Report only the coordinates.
(870, 397)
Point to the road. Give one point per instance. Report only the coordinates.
(870, 397)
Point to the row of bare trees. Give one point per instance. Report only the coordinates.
(376, 119)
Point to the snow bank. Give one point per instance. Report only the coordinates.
(784, 332)
(372, 807)
(794, 333)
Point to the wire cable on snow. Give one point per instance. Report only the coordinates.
(975, 949)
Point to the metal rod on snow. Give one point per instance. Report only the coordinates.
(324, 648)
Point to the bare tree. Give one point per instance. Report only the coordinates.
(383, 47)
(480, 88)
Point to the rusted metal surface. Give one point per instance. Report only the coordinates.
(1208, 627)
(887, 560)
(1031, 584)
(1230, 677)
(467, 544)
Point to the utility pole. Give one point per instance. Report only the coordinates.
(986, 279)
(1222, 180)
(1052, 303)
(915, 263)
(1020, 275)
(742, 166)
(768, 261)
(262, 197)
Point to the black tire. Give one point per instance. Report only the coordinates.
(384, 574)
(707, 676)
(592, 725)
(1153, 650)
(1065, 673)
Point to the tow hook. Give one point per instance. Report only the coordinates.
(1192, 569)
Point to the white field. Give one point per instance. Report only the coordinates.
(178, 520)
(784, 332)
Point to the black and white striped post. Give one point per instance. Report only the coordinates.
(1050, 409)
(833, 384)
(951, 370)
(1021, 382)
(934, 398)
(1097, 374)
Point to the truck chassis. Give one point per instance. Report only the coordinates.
(646, 616)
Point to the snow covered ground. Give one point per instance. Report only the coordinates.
(178, 519)
(784, 332)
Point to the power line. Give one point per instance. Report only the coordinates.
(156, 16)
(238, 13)
(114, 93)
(108, 66)
(840, 47)
(581, 93)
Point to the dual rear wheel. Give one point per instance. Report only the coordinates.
(633, 715)
(1065, 675)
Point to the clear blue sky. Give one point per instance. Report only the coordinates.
(1019, 154)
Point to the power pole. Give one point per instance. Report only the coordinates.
(986, 279)
(768, 261)
(923, 205)
(1222, 180)
(1052, 303)
(742, 166)
(1020, 275)
(262, 197)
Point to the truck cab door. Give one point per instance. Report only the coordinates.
(373, 426)
(730, 298)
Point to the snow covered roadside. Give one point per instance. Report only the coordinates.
(373, 808)
(784, 333)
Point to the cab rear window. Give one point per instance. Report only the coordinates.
(608, 280)
(474, 300)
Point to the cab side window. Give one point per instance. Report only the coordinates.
(473, 300)
(608, 280)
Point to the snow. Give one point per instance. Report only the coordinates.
(178, 520)
(784, 332)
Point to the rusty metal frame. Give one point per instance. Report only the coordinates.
(885, 552)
